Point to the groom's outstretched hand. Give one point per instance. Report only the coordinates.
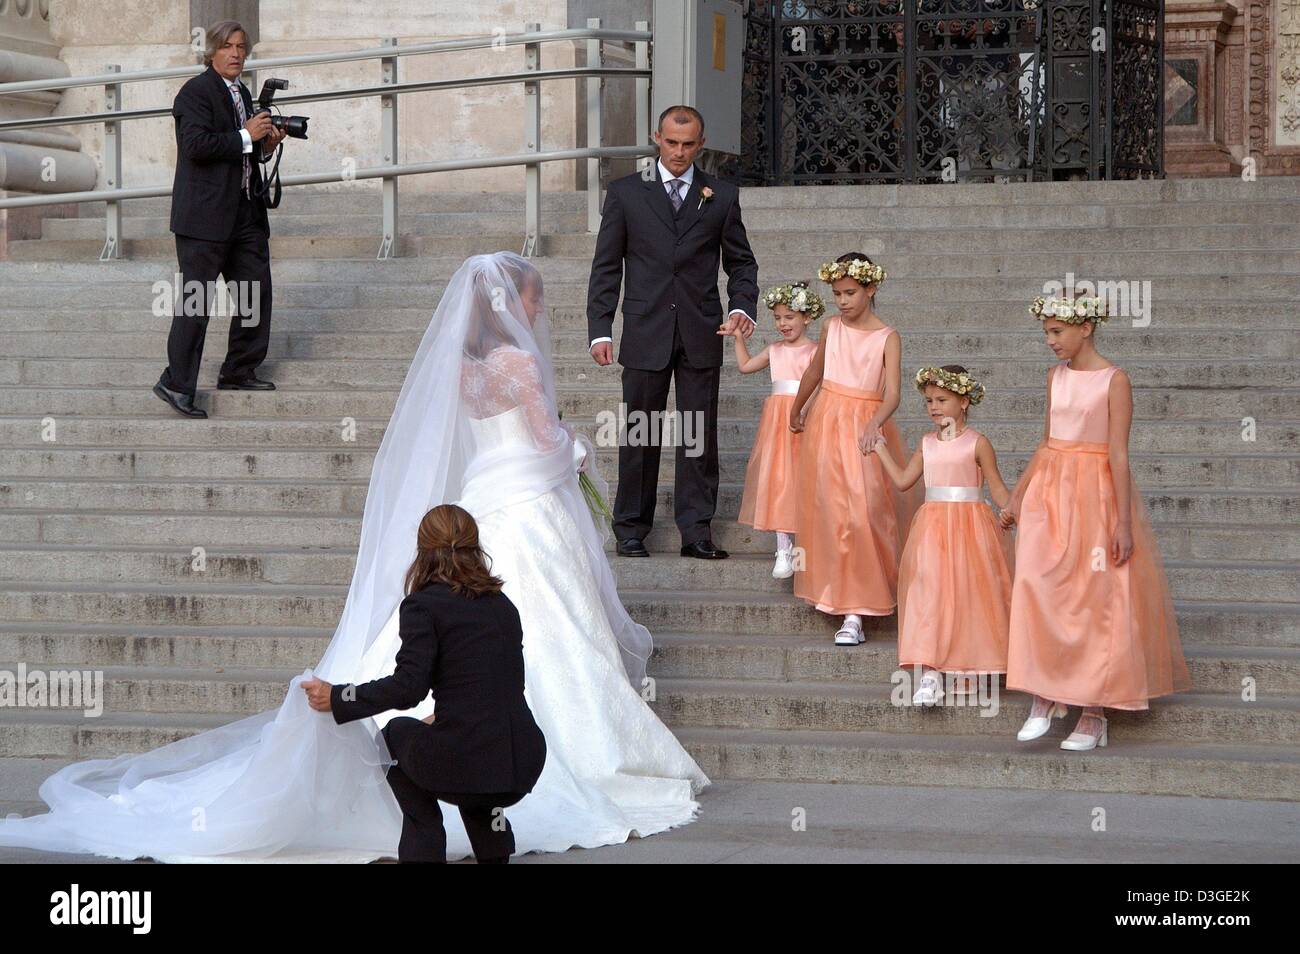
(318, 693)
(603, 353)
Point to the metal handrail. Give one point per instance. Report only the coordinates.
(344, 56)
(349, 92)
(532, 159)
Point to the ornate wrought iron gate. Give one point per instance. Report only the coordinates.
(847, 91)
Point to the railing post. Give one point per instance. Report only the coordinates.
(532, 143)
(388, 124)
(642, 51)
(595, 126)
(112, 170)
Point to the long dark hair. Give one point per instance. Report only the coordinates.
(447, 551)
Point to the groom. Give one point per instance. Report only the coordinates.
(666, 232)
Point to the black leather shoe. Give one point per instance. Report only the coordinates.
(180, 402)
(703, 550)
(250, 383)
(631, 547)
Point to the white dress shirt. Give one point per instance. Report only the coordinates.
(687, 177)
(233, 86)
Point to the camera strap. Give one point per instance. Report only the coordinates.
(271, 191)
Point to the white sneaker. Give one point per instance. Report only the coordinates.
(784, 568)
(850, 634)
(930, 691)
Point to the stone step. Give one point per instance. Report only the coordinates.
(970, 262)
(240, 562)
(975, 348)
(1178, 515)
(883, 243)
(1207, 771)
(993, 761)
(585, 401)
(59, 460)
(880, 241)
(1198, 373)
(703, 604)
(1273, 671)
(754, 704)
(733, 434)
(1249, 574)
(569, 322)
(361, 195)
(1229, 623)
(383, 289)
(1264, 509)
(759, 216)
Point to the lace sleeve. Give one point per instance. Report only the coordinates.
(524, 381)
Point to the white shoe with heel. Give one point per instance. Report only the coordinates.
(1036, 727)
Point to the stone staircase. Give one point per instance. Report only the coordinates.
(98, 525)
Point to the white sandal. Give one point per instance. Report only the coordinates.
(850, 634)
(930, 691)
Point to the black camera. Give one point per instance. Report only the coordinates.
(293, 126)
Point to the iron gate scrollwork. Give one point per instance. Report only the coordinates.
(859, 91)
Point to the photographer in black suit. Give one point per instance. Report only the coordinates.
(461, 638)
(665, 232)
(219, 217)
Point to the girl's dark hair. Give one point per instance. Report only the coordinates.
(447, 551)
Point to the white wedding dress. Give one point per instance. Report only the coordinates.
(475, 424)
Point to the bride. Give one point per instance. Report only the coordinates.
(476, 424)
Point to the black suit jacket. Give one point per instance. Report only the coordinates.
(210, 160)
(469, 651)
(670, 263)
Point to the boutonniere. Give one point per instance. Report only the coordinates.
(705, 195)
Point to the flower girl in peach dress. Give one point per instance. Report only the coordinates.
(850, 518)
(770, 493)
(1092, 623)
(954, 580)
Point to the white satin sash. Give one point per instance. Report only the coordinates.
(954, 494)
(785, 387)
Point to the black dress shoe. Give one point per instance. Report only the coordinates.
(631, 547)
(703, 550)
(181, 402)
(250, 383)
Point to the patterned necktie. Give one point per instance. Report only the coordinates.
(674, 194)
(243, 118)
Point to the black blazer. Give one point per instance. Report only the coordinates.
(210, 160)
(671, 264)
(469, 651)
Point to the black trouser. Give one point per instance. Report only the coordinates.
(423, 837)
(695, 480)
(244, 257)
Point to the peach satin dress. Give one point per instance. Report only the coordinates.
(771, 485)
(1084, 631)
(954, 580)
(851, 520)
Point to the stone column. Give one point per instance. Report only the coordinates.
(1202, 67)
(34, 160)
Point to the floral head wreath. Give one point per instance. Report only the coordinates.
(864, 272)
(796, 296)
(1073, 311)
(959, 383)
